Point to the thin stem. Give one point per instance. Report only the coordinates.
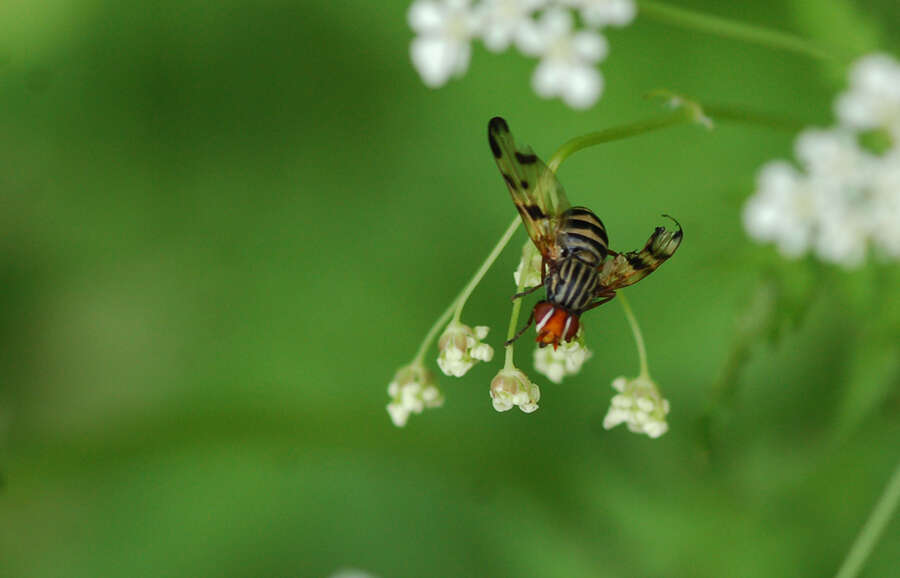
(516, 308)
(432, 333)
(638, 338)
(726, 28)
(616, 133)
(735, 114)
(688, 111)
(501, 244)
(456, 306)
(874, 526)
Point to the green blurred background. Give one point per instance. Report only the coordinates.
(225, 225)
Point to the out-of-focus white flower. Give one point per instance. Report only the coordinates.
(564, 360)
(833, 159)
(639, 405)
(531, 268)
(412, 390)
(511, 388)
(504, 20)
(873, 100)
(783, 210)
(601, 13)
(461, 346)
(567, 67)
(842, 200)
(444, 31)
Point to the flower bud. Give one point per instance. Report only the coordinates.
(460, 347)
(639, 405)
(412, 390)
(511, 388)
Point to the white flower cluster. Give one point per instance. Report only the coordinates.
(639, 405)
(844, 197)
(412, 390)
(564, 360)
(460, 347)
(530, 264)
(544, 29)
(511, 388)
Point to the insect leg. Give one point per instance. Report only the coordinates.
(605, 297)
(521, 331)
(528, 291)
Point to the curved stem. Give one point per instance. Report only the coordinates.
(688, 111)
(432, 333)
(638, 338)
(615, 133)
(874, 526)
(726, 28)
(735, 114)
(456, 306)
(476, 279)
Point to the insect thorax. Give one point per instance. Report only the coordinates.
(583, 236)
(571, 285)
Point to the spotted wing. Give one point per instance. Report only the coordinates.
(538, 196)
(629, 268)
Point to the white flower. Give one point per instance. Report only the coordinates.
(873, 100)
(832, 158)
(639, 405)
(838, 173)
(505, 20)
(601, 13)
(511, 388)
(843, 199)
(567, 66)
(444, 31)
(460, 347)
(412, 390)
(532, 268)
(564, 360)
(783, 210)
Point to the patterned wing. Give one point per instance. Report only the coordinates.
(629, 268)
(537, 194)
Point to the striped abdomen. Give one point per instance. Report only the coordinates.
(572, 284)
(583, 236)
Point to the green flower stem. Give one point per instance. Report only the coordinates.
(726, 28)
(516, 308)
(617, 133)
(419, 359)
(686, 113)
(738, 115)
(456, 306)
(874, 526)
(638, 337)
(501, 244)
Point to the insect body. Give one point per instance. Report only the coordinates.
(578, 268)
